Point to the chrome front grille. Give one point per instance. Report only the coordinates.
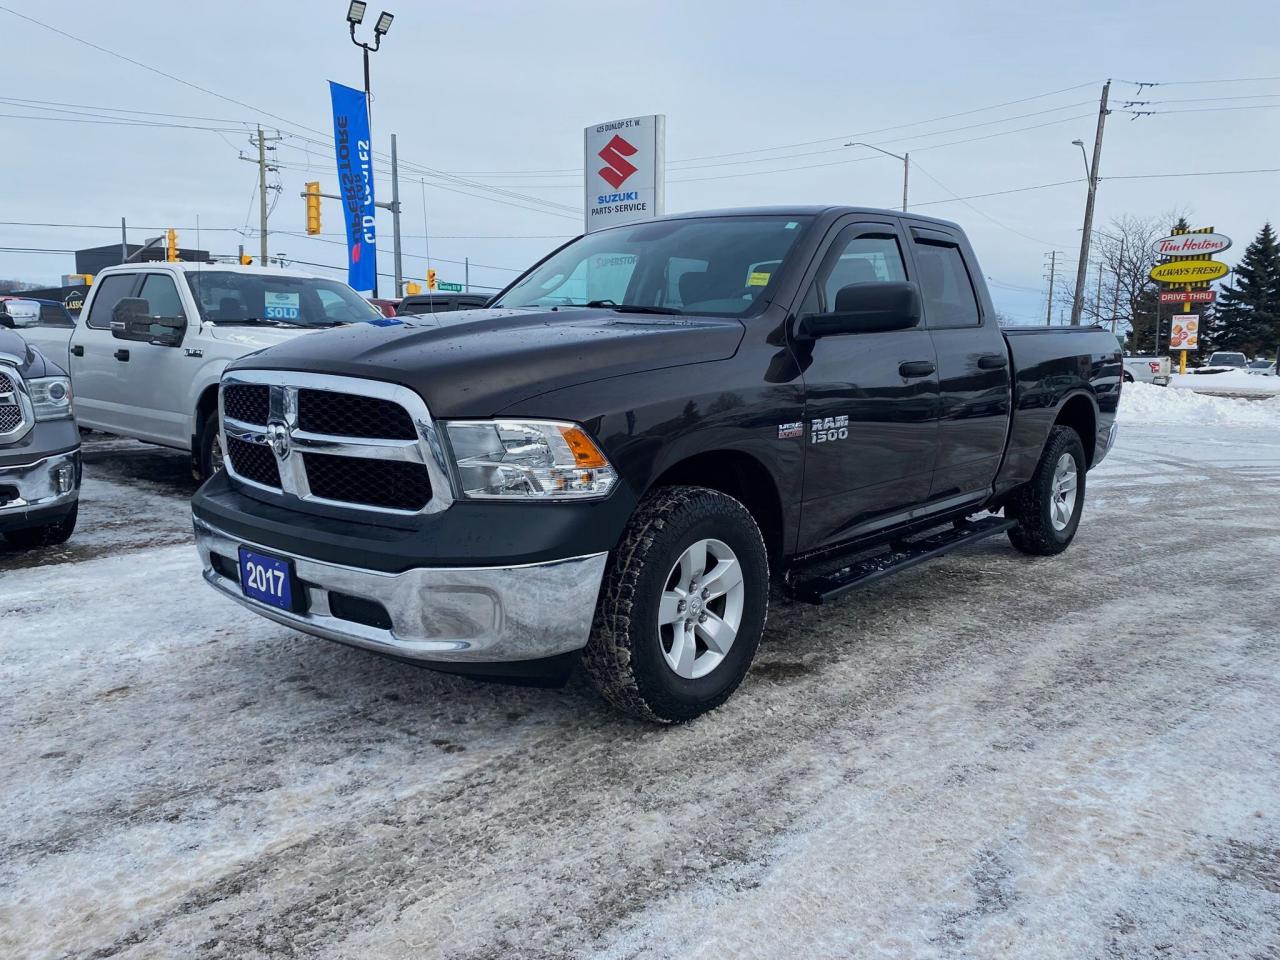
(16, 414)
(342, 441)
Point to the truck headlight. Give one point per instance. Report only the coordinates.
(528, 459)
(50, 397)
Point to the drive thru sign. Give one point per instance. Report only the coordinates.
(624, 171)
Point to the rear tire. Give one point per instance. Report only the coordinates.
(1047, 508)
(682, 606)
(49, 535)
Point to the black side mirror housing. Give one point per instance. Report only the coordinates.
(131, 320)
(866, 308)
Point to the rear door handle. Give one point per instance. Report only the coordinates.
(77, 351)
(992, 361)
(122, 354)
(916, 368)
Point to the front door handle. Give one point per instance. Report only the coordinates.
(993, 361)
(122, 355)
(77, 351)
(916, 368)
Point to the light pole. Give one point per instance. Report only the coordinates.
(906, 165)
(1083, 155)
(355, 16)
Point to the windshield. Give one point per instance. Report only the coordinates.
(1259, 364)
(228, 297)
(715, 265)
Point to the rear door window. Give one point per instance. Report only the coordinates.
(111, 290)
(945, 286)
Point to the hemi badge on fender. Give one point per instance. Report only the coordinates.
(789, 430)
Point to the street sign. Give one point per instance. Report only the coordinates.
(448, 287)
(1191, 245)
(1185, 332)
(1188, 296)
(1189, 271)
(624, 171)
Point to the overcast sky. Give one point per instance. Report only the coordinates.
(475, 88)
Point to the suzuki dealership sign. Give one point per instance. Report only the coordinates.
(1202, 245)
(625, 161)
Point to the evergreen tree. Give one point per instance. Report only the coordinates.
(1249, 312)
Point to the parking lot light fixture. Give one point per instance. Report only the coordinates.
(384, 23)
(355, 12)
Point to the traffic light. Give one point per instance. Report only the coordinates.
(313, 207)
(246, 260)
(171, 246)
(412, 289)
(431, 279)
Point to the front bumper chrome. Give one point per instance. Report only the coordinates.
(38, 483)
(452, 615)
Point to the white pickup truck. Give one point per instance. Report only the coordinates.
(150, 345)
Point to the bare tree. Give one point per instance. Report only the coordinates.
(17, 286)
(1119, 286)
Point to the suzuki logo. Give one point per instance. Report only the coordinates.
(615, 154)
(278, 438)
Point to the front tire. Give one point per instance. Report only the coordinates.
(49, 535)
(208, 458)
(682, 606)
(1047, 508)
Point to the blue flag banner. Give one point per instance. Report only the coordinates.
(355, 183)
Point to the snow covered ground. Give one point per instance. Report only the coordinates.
(1232, 382)
(988, 756)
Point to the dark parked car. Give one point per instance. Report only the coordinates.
(645, 430)
(440, 303)
(39, 447)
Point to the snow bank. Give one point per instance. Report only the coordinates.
(1234, 381)
(1146, 403)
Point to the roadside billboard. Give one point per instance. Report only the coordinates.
(354, 154)
(1188, 296)
(1189, 271)
(1191, 245)
(1184, 333)
(624, 171)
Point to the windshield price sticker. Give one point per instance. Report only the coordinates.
(758, 279)
(281, 306)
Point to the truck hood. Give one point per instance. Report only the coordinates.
(253, 337)
(475, 363)
(29, 361)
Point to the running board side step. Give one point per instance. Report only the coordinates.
(906, 554)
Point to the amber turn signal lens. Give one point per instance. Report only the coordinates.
(585, 453)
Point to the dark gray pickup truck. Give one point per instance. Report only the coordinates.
(616, 459)
(39, 447)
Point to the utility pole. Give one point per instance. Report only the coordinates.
(466, 274)
(124, 241)
(1053, 273)
(261, 141)
(1077, 302)
(395, 214)
(906, 170)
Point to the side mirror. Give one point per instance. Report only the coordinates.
(866, 308)
(131, 320)
(21, 314)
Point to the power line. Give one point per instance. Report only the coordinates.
(834, 163)
(980, 213)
